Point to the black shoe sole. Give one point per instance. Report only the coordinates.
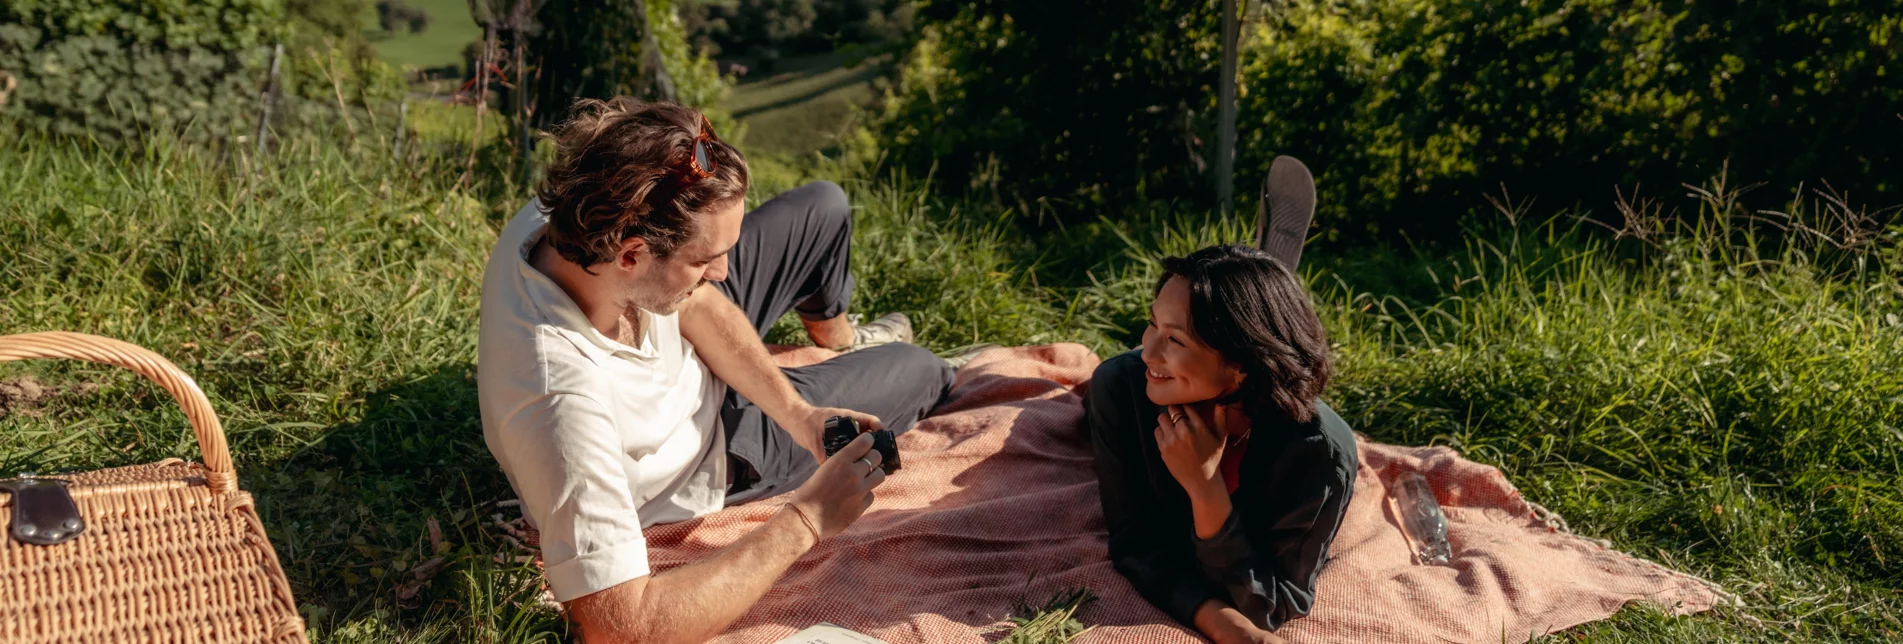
(1286, 210)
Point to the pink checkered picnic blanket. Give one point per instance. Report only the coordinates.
(997, 504)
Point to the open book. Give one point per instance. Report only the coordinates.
(824, 633)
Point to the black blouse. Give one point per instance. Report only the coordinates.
(1293, 487)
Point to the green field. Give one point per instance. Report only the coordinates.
(441, 44)
(807, 106)
(1713, 386)
(1712, 400)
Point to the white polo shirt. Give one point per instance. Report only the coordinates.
(600, 439)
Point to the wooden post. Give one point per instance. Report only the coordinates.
(270, 94)
(402, 118)
(482, 100)
(660, 85)
(525, 146)
(1226, 112)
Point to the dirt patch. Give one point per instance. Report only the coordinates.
(21, 394)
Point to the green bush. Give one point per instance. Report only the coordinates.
(326, 42)
(114, 69)
(1410, 110)
(1072, 103)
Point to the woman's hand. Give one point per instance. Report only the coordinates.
(1192, 449)
(1253, 635)
(1223, 625)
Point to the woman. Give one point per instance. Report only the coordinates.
(1223, 478)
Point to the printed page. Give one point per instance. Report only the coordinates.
(829, 634)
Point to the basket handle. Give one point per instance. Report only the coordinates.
(219, 475)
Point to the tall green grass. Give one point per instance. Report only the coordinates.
(1718, 399)
(328, 307)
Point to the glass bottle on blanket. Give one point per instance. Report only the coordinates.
(1422, 520)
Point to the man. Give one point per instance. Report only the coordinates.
(624, 383)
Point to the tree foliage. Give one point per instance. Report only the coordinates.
(1421, 107)
(1074, 103)
(1409, 110)
(595, 49)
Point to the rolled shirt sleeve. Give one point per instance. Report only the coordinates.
(1276, 585)
(1227, 559)
(565, 460)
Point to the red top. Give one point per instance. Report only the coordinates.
(1231, 465)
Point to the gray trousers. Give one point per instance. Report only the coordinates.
(793, 255)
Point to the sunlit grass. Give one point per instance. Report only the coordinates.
(1722, 400)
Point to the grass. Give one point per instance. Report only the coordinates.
(1053, 622)
(440, 45)
(1721, 399)
(806, 106)
(329, 310)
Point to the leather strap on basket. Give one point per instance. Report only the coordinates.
(220, 476)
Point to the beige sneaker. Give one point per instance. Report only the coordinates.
(889, 328)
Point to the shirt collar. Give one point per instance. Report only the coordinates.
(560, 311)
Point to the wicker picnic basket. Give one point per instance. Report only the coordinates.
(166, 552)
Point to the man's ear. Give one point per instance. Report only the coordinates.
(634, 252)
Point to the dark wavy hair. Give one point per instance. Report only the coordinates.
(624, 168)
(1256, 314)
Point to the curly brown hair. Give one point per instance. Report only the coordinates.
(625, 168)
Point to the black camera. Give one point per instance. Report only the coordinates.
(840, 430)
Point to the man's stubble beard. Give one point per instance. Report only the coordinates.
(642, 297)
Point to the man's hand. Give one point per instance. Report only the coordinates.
(842, 488)
(808, 427)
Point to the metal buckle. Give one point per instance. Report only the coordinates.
(43, 512)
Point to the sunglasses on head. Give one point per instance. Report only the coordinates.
(700, 164)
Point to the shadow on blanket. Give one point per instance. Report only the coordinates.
(997, 505)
